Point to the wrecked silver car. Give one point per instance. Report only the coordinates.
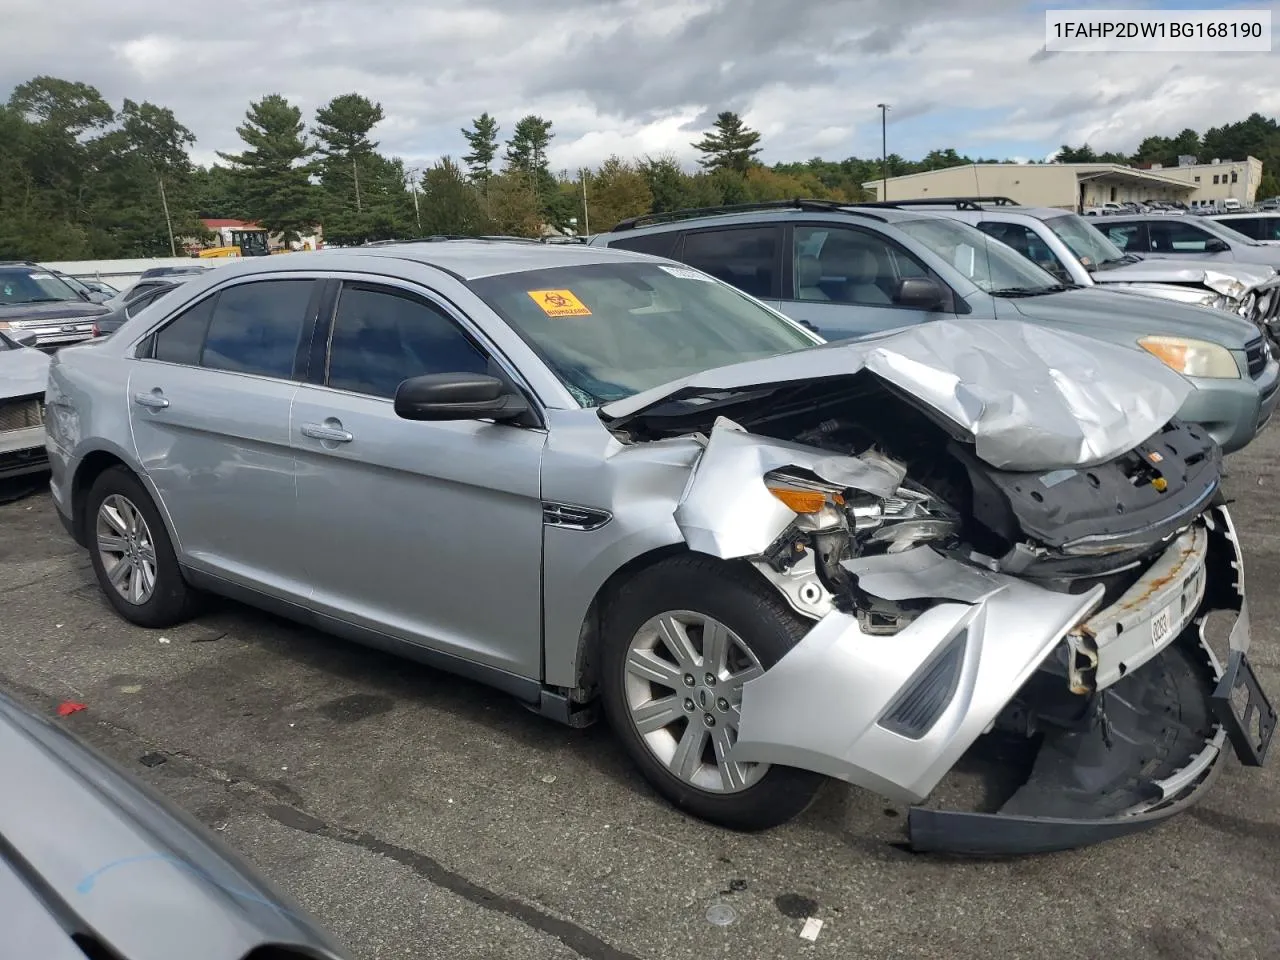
(23, 372)
(593, 479)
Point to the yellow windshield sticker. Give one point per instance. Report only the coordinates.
(559, 303)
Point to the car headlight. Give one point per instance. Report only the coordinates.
(1193, 358)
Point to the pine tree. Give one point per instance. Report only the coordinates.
(273, 174)
(483, 140)
(730, 145)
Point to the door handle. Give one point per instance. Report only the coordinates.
(323, 431)
(156, 400)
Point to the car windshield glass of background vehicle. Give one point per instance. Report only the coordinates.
(33, 286)
(614, 329)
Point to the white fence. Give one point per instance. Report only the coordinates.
(123, 273)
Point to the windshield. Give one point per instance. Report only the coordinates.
(609, 330)
(33, 286)
(1226, 233)
(989, 264)
(1087, 242)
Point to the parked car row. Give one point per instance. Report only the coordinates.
(765, 558)
(849, 271)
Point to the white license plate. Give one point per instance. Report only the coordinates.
(1162, 626)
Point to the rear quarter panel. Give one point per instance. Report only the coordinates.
(87, 411)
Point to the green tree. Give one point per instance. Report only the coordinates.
(342, 130)
(511, 207)
(526, 155)
(274, 173)
(142, 199)
(1069, 154)
(450, 204)
(729, 145)
(482, 138)
(616, 191)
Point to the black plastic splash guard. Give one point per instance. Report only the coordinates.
(1239, 725)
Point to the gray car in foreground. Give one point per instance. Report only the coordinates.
(94, 864)
(594, 479)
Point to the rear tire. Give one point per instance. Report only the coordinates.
(132, 555)
(693, 618)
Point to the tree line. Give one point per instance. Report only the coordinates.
(80, 179)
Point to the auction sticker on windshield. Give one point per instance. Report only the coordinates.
(684, 273)
(559, 303)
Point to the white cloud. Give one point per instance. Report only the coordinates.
(640, 76)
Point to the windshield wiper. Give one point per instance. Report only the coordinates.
(42, 300)
(1032, 291)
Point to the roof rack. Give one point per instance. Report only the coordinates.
(798, 203)
(442, 237)
(960, 203)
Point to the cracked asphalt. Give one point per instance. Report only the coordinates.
(422, 816)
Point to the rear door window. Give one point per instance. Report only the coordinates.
(256, 327)
(749, 258)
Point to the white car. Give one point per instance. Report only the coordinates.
(23, 372)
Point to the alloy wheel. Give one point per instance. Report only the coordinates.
(683, 681)
(126, 549)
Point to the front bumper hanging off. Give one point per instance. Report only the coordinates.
(1158, 750)
(895, 713)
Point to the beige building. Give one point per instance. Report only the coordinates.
(1219, 180)
(1078, 186)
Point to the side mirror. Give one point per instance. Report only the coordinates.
(458, 396)
(1216, 246)
(920, 293)
(24, 338)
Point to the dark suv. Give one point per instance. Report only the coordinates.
(35, 300)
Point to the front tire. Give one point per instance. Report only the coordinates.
(679, 641)
(133, 558)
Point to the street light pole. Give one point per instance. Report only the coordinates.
(884, 151)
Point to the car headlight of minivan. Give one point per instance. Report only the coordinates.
(1193, 358)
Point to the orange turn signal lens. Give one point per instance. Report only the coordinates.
(805, 501)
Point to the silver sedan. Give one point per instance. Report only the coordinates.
(596, 479)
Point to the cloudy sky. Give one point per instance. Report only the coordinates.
(644, 76)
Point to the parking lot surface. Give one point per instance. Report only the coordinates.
(422, 816)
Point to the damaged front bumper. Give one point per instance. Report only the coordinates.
(894, 713)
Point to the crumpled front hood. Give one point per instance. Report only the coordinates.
(23, 372)
(1229, 279)
(1030, 398)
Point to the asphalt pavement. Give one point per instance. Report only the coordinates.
(422, 816)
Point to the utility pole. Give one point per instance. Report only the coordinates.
(586, 218)
(355, 171)
(173, 247)
(413, 188)
(884, 151)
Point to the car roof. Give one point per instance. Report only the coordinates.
(1039, 213)
(473, 259)
(761, 214)
(1244, 213)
